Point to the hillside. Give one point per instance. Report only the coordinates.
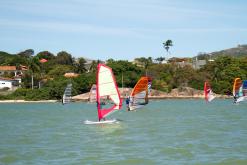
(239, 51)
(5, 57)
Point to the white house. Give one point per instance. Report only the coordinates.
(5, 82)
(17, 73)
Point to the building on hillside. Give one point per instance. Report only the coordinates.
(182, 62)
(71, 75)
(8, 83)
(13, 72)
(13, 69)
(197, 64)
(138, 63)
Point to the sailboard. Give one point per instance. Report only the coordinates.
(67, 94)
(106, 90)
(239, 90)
(208, 93)
(139, 95)
(92, 94)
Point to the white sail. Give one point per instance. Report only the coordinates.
(107, 88)
(208, 93)
(67, 94)
(92, 94)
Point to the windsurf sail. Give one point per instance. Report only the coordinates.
(239, 90)
(139, 94)
(236, 91)
(208, 93)
(244, 88)
(67, 94)
(106, 90)
(92, 94)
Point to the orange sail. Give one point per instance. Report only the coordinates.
(139, 95)
(236, 86)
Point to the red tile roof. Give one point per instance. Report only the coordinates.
(71, 75)
(8, 68)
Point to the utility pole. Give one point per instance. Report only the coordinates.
(32, 81)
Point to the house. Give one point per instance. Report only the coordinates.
(8, 83)
(13, 71)
(71, 75)
(8, 69)
(197, 64)
(182, 62)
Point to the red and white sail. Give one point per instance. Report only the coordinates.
(106, 89)
(208, 93)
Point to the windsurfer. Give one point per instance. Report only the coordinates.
(234, 99)
(127, 103)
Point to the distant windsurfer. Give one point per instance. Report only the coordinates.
(127, 103)
(235, 97)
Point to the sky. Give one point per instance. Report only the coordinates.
(122, 29)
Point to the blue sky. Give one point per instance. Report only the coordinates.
(122, 29)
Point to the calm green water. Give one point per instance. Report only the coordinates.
(164, 132)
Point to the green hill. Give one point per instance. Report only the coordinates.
(238, 52)
(5, 58)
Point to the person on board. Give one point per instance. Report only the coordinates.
(127, 103)
(235, 97)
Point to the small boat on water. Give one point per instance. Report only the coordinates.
(208, 93)
(106, 88)
(139, 95)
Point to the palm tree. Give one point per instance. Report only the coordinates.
(167, 45)
(33, 66)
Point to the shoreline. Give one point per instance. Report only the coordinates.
(28, 101)
(85, 100)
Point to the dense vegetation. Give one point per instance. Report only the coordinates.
(50, 75)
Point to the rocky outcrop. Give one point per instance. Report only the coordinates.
(182, 92)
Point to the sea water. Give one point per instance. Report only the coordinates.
(163, 132)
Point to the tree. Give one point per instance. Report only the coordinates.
(46, 55)
(59, 70)
(160, 59)
(167, 45)
(26, 53)
(145, 62)
(64, 58)
(80, 65)
(93, 66)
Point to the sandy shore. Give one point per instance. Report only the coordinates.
(24, 101)
(86, 99)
